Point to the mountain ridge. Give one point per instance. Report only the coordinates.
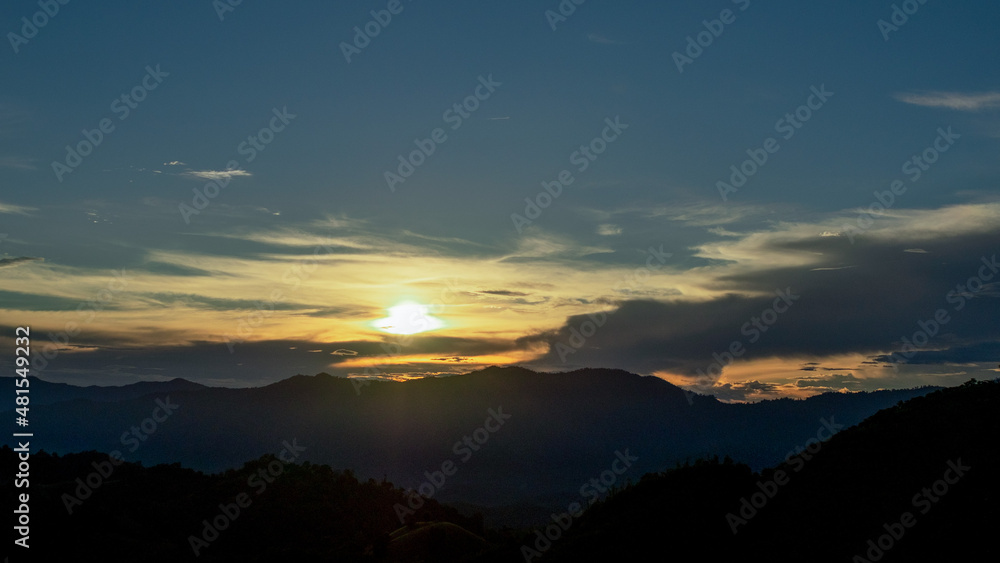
(562, 429)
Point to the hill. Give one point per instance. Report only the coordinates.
(85, 508)
(515, 437)
(915, 482)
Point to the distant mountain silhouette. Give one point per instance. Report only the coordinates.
(47, 393)
(562, 430)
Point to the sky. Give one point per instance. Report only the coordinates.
(750, 199)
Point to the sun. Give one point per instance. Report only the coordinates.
(408, 318)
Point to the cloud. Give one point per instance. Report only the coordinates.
(595, 38)
(5, 262)
(705, 213)
(833, 268)
(674, 318)
(175, 163)
(857, 310)
(545, 247)
(13, 120)
(980, 352)
(832, 381)
(608, 229)
(952, 100)
(12, 209)
(17, 163)
(719, 231)
(744, 391)
(216, 174)
(194, 301)
(166, 269)
(19, 301)
(89, 354)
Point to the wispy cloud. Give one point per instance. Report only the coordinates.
(504, 293)
(216, 174)
(13, 120)
(174, 163)
(608, 229)
(4, 262)
(16, 209)
(832, 381)
(17, 162)
(744, 391)
(974, 101)
(595, 38)
(703, 213)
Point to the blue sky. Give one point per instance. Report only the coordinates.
(516, 294)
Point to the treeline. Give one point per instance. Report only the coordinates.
(89, 507)
(916, 482)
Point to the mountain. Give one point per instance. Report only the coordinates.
(509, 437)
(48, 393)
(915, 482)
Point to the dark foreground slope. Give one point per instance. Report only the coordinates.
(268, 510)
(917, 482)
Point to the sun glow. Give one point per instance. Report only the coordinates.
(408, 318)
